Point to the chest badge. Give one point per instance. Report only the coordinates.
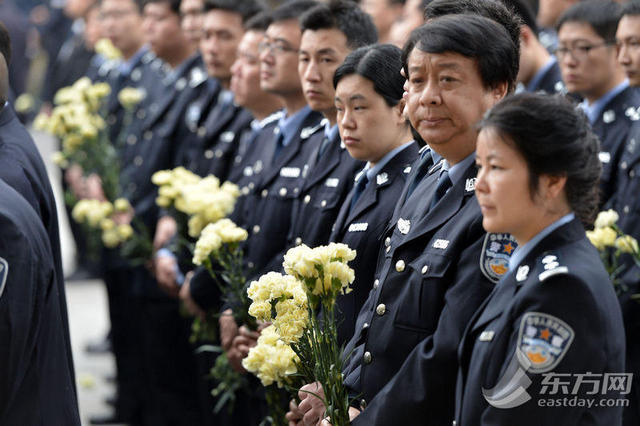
(523, 273)
(404, 225)
(441, 244)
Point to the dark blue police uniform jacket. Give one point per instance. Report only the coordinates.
(326, 185)
(279, 185)
(612, 127)
(438, 265)
(559, 311)
(627, 203)
(361, 228)
(36, 384)
(23, 169)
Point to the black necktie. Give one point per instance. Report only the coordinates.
(423, 168)
(358, 190)
(444, 183)
(279, 146)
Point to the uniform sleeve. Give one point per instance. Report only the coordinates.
(562, 311)
(424, 387)
(19, 312)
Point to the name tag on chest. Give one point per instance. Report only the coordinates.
(358, 227)
(332, 182)
(290, 172)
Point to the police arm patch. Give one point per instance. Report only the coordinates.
(4, 271)
(496, 252)
(543, 340)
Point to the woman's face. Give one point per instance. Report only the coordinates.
(369, 128)
(503, 190)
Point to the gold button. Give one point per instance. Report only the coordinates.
(283, 192)
(400, 265)
(323, 203)
(218, 153)
(381, 309)
(296, 190)
(245, 190)
(256, 229)
(131, 139)
(626, 209)
(367, 357)
(376, 283)
(137, 161)
(148, 135)
(623, 165)
(208, 154)
(251, 185)
(264, 193)
(298, 241)
(202, 131)
(307, 198)
(425, 268)
(387, 241)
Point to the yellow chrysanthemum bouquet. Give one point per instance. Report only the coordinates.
(612, 244)
(315, 278)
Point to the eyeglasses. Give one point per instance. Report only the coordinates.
(275, 47)
(580, 52)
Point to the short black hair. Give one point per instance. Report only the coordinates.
(137, 3)
(491, 9)
(174, 5)
(555, 139)
(378, 63)
(602, 15)
(292, 10)
(522, 9)
(5, 43)
(345, 16)
(472, 36)
(245, 8)
(258, 22)
(630, 8)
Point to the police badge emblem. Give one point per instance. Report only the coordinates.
(4, 271)
(543, 340)
(404, 225)
(496, 252)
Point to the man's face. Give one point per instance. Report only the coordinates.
(446, 98)
(412, 17)
(122, 24)
(321, 52)
(550, 10)
(162, 29)
(222, 32)
(279, 58)
(191, 20)
(384, 14)
(586, 60)
(628, 39)
(245, 79)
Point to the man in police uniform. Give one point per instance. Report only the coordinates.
(587, 54)
(437, 266)
(329, 33)
(37, 385)
(270, 217)
(23, 169)
(626, 202)
(539, 71)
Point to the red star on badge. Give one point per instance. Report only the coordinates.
(545, 334)
(508, 248)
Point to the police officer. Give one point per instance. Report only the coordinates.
(280, 184)
(539, 70)
(433, 279)
(329, 173)
(555, 312)
(587, 55)
(22, 168)
(374, 129)
(627, 205)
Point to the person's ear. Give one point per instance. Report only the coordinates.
(552, 186)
